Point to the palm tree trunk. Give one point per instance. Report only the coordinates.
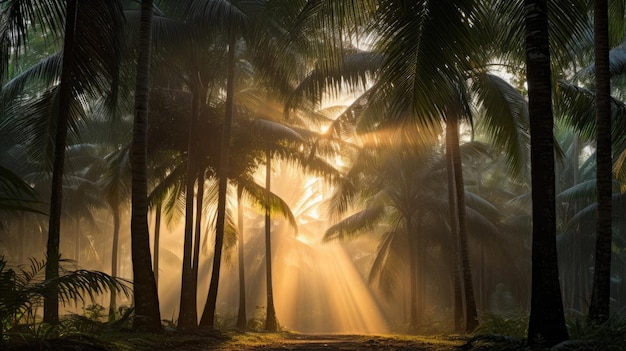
(454, 236)
(471, 316)
(208, 315)
(601, 293)
(242, 319)
(51, 302)
(147, 312)
(271, 324)
(114, 249)
(547, 323)
(421, 268)
(411, 234)
(197, 238)
(157, 241)
(188, 316)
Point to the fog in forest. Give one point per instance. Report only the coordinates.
(362, 167)
(319, 287)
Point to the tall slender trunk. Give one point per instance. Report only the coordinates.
(601, 292)
(271, 324)
(411, 234)
(421, 268)
(51, 301)
(188, 317)
(195, 263)
(114, 249)
(208, 315)
(147, 312)
(454, 235)
(157, 244)
(242, 319)
(547, 323)
(471, 316)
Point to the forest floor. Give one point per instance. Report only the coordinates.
(288, 341)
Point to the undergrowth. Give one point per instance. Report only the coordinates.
(508, 333)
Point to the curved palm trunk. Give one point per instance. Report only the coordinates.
(547, 323)
(471, 316)
(271, 324)
(601, 293)
(242, 319)
(114, 250)
(51, 302)
(454, 236)
(208, 315)
(147, 313)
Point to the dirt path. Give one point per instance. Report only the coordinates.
(329, 342)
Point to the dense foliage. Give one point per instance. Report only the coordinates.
(405, 132)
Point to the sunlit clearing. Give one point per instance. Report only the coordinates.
(318, 289)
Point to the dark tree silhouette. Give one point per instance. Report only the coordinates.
(547, 323)
(147, 313)
(601, 293)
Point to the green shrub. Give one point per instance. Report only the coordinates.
(610, 335)
(513, 324)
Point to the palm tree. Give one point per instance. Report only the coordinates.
(404, 187)
(115, 186)
(188, 317)
(51, 302)
(145, 294)
(242, 320)
(271, 323)
(452, 208)
(452, 145)
(547, 323)
(84, 68)
(208, 314)
(601, 293)
(413, 63)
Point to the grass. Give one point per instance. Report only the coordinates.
(92, 332)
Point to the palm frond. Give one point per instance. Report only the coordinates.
(324, 81)
(355, 224)
(46, 72)
(20, 18)
(617, 64)
(505, 118)
(217, 14)
(383, 268)
(421, 59)
(274, 132)
(116, 178)
(23, 287)
(16, 195)
(262, 198)
(576, 105)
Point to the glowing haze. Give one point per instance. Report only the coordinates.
(317, 287)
